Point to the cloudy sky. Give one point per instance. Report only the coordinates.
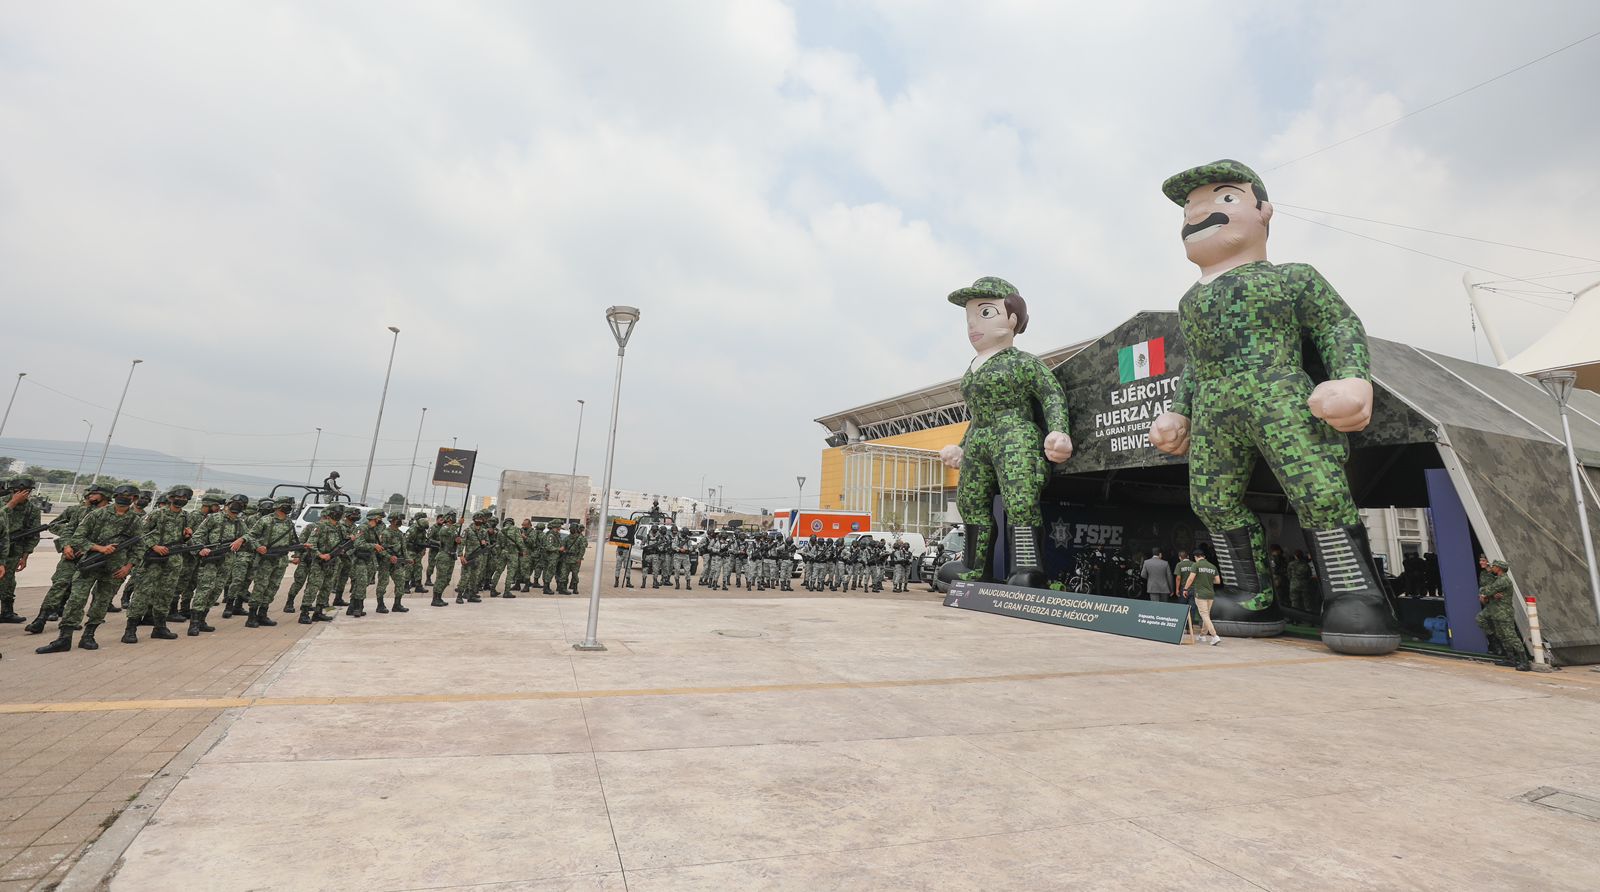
(246, 194)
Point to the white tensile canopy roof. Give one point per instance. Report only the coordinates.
(1573, 343)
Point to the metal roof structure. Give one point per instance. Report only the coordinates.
(933, 406)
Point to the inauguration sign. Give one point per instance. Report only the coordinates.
(453, 467)
(1150, 620)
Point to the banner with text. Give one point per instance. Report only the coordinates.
(1150, 620)
(454, 467)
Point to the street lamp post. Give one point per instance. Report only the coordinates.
(572, 487)
(110, 433)
(622, 321)
(1559, 385)
(311, 469)
(373, 452)
(14, 388)
(418, 445)
(82, 452)
(801, 481)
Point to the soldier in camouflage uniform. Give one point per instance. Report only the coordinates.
(189, 573)
(393, 563)
(302, 573)
(900, 565)
(682, 545)
(141, 507)
(366, 552)
(522, 564)
(1248, 394)
(443, 563)
(1005, 451)
(158, 571)
(1498, 619)
(322, 539)
(479, 546)
(417, 538)
(61, 580)
(22, 516)
(239, 588)
(503, 559)
(271, 539)
(107, 531)
(549, 554)
(574, 548)
(219, 566)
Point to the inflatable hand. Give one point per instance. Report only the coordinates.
(1057, 446)
(951, 456)
(1170, 433)
(1346, 404)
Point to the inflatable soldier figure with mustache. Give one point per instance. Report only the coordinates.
(1244, 393)
(1019, 419)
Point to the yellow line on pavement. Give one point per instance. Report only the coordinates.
(491, 697)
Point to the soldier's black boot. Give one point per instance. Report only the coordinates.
(194, 626)
(321, 617)
(547, 590)
(161, 631)
(305, 616)
(339, 601)
(508, 594)
(8, 612)
(382, 607)
(398, 607)
(688, 585)
(201, 618)
(1026, 564)
(288, 605)
(253, 620)
(37, 626)
(110, 608)
(62, 644)
(227, 608)
(1246, 606)
(173, 616)
(460, 597)
(977, 557)
(131, 634)
(127, 595)
(474, 598)
(261, 616)
(86, 641)
(438, 601)
(1356, 617)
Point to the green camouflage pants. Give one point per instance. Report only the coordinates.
(302, 574)
(443, 567)
(341, 577)
(362, 572)
(387, 572)
(1238, 417)
(93, 590)
(1496, 619)
(319, 583)
(1004, 458)
(265, 579)
(60, 587)
(158, 582)
(8, 585)
(217, 577)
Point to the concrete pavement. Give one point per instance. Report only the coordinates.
(848, 743)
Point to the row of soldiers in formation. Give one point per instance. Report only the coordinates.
(179, 564)
(732, 559)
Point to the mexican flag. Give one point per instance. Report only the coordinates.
(1142, 360)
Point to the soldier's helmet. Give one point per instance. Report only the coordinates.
(18, 484)
(238, 500)
(211, 498)
(125, 494)
(284, 503)
(397, 516)
(264, 505)
(161, 499)
(1501, 565)
(101, 488)
(374, 512)
(143, 501)
(180, 495)
(333, 511)
(509, 521)
(420, 518)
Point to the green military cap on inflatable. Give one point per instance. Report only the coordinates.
(1501, 565)
(1178, 186)
(991, 287)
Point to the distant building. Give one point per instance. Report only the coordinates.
(542, 496)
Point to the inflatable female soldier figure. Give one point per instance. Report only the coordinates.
(1019, 415)
(1247, 394)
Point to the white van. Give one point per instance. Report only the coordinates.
(306, 515)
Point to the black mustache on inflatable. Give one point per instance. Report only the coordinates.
(1213, 220)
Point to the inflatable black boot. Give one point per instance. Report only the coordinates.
(1025, 567)
(977, 557)
(1246, 608)
(1356, 618)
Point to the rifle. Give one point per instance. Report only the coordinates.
(94, 558)
(176, 550)
(483, 545)
(34, 531)
(336, 550)
(281, 550)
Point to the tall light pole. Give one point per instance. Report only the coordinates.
(1559, 385)
(622, 321)
(82, 452)
(99, 467)
(801, 482)
(373, 452)
(572, 487)
(311, 469)
(414, 448)
(14, 388)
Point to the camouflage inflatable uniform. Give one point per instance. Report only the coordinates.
(1245, 391)
(1013, 400)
